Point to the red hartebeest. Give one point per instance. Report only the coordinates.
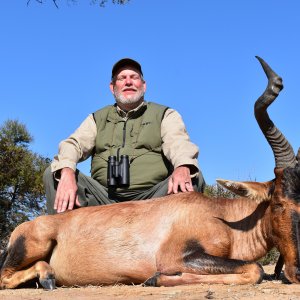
(179, 239)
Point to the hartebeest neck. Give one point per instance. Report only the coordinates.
(250, 227)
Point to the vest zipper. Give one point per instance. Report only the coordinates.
(124, 140)
(124, 133)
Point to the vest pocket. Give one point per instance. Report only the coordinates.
(147, 170)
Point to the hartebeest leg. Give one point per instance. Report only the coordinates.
(250, 273)
(24, 258)
(196, 266)
(41, 269)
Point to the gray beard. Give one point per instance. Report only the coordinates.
(131, 100)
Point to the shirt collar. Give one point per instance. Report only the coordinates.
(129, 113)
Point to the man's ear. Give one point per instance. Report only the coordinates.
(111, 87)
(258, 191)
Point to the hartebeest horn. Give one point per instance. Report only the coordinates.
(283, 152)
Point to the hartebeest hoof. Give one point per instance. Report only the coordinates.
(152, 281)
(48, 283)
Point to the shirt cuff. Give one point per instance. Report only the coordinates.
(57, 166)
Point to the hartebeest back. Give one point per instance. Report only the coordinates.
(179, 239)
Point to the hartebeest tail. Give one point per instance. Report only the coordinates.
(184, 238)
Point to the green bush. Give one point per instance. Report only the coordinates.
(270, 258)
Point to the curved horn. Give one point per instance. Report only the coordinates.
(283, 152)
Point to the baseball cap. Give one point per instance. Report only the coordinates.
(125, 62)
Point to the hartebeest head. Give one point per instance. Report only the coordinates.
(284, 191)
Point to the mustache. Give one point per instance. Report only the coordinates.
(129, 88)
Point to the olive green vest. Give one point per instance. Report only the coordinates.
(139, 137)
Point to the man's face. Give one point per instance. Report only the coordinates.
(128, 87)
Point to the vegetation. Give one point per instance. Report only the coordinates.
(217, 190)
(21, 170)
(270, 258)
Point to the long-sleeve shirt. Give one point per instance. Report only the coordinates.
(176, 144)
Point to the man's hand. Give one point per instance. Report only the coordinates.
(181, 177)
(66, 195)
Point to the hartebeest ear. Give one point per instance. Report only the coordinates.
(258, 191)
(298, 156)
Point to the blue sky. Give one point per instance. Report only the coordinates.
(197, 56)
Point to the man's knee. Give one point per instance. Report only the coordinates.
(47, 176)
(50, 190)
(199, 183)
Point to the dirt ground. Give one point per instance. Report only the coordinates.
(268, 289)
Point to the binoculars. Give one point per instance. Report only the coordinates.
(118, 171)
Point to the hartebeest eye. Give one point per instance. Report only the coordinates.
(278, 207)
(291, 184)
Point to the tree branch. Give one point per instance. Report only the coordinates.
(101, 2)
(54, 1)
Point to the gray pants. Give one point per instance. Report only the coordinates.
(91, 192)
